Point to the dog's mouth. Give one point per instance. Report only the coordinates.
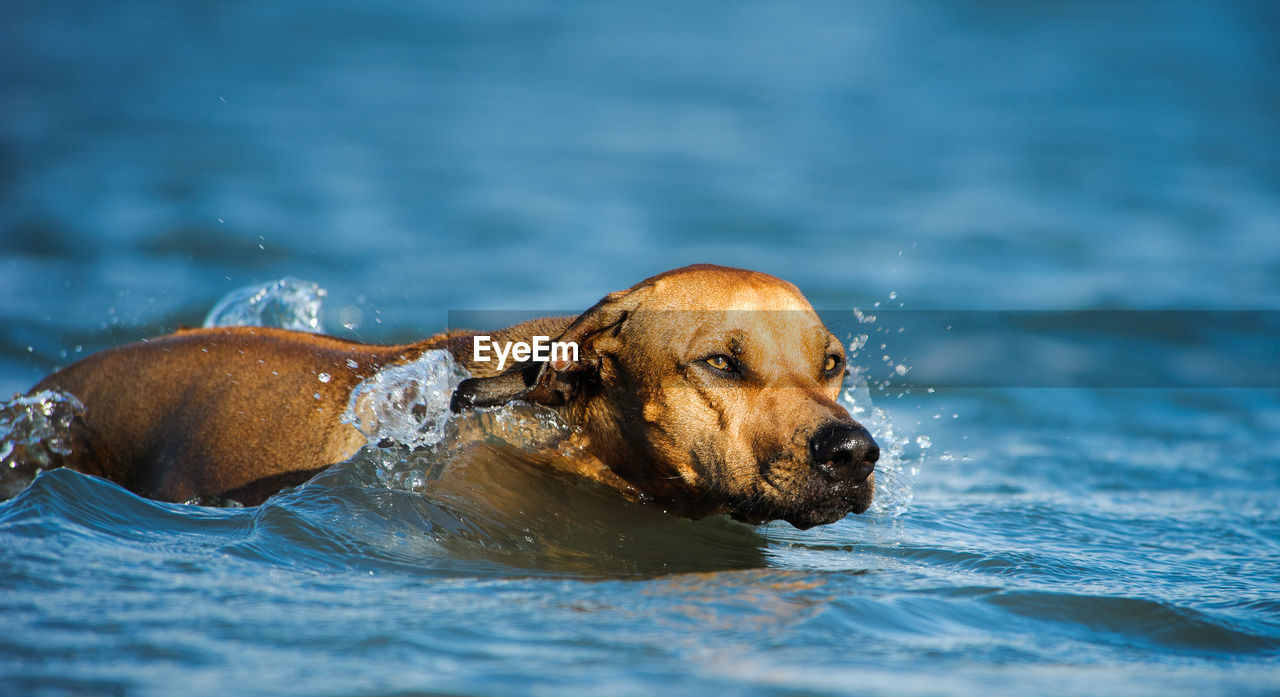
(855, 499)
(817, 504)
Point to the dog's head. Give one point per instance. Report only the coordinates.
(712, 390)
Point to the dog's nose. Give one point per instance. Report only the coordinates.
(844, 452)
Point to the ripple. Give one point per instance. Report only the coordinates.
(1136, 622)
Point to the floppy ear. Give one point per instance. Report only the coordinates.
(554, 382)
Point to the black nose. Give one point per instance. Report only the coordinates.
(844, 452)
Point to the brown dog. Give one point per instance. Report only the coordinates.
(705, 389)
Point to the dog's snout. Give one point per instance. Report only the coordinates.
(844, 452)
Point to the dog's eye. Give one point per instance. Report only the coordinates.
(832, 364)
(722, 363)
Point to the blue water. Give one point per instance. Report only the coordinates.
(1041, 534)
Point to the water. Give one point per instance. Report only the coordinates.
(1082, 503)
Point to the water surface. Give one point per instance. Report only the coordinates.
(1076, 508)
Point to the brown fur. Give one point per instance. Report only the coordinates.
(241, 412)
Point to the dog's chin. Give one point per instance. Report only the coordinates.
(824, 515)
(823, 509)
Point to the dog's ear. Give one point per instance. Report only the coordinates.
(554, 382)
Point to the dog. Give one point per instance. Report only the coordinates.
(705, 390)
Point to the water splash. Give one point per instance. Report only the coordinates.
(895, 471)
(411, 434)
(35, 434)
(287, 303)
(407, 403)
(895, 482)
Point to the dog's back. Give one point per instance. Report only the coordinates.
(212, 411)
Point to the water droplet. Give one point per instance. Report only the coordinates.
(324, 377)
(352, 364)
(893, 295)
(900, 369)
(351, 316)
(316, 395)
(924, 441)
